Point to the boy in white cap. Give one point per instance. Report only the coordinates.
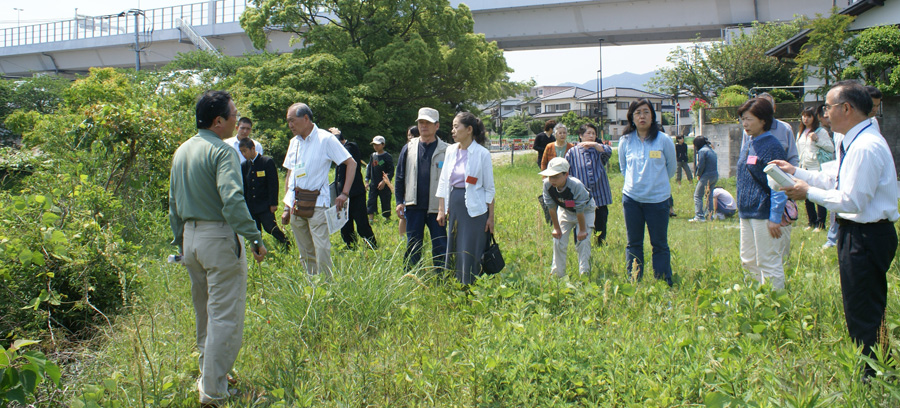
(381, 165)
(571, 206)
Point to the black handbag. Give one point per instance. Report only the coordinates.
(492, 260)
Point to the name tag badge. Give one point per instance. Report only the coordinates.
(471, 180)
(655, 154)
(440, 164)
(752, 159)
(570, 203)
(261, 173)
(300, 171)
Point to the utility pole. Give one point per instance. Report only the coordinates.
(600, 90)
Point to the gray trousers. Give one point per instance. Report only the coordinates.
(568, 222)
(466, 238)
(215, 259)
(687, 169)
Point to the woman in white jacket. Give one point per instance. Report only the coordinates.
(466, 191)
(814, 146)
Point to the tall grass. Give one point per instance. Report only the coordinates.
(378, 336)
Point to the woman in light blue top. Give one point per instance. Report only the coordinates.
(466, 190)
(647, 159)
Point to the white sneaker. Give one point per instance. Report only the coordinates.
(695, 219)
(827, 245)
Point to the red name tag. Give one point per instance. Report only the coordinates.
(752, 159)
(471, 180)
(570, 203)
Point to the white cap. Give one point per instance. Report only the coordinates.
(428, 114)
(377, 140)
(557, 165)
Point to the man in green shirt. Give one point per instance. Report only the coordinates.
(208, 216)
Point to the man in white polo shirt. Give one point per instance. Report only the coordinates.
(308, 161)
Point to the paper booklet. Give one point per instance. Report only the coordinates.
(779, 176)
(336, 219)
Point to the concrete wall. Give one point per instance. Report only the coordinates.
(726, 141)
(890, 125)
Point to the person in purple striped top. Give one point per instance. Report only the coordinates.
(588, 164)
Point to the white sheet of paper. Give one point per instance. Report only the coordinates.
(336, 219)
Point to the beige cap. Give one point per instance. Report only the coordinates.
(557, 165)
(377, 140)
(429, 114)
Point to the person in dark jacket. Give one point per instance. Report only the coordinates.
(261, 189)
(357, 207)
(543, 139)
(380, 163)
(681, 159)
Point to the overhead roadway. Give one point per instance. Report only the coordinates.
(514, 24)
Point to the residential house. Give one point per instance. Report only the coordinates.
(615, 102)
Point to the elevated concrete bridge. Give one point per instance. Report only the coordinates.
(73, 46)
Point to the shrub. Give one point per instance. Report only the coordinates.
(62, 257)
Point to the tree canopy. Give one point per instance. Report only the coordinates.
(705, 68)
(876, 54)
(825, 53)
(367, 66)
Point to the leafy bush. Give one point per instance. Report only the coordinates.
(536, 126)
(781, 95)
(21, 373)
(735, 89)
(876, 51)
(62, 256)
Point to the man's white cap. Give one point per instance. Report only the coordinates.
(557, 165)
(429, 114)
(377, 140)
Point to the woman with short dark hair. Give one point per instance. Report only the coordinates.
(541, 140)
(466, 191)
(647, 160)
(760, 206)
(587, 162)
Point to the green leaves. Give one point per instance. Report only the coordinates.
(21, 373)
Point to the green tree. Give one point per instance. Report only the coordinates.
(573, 121)
(383, 60)
(825, 53)
(876, 51)
(705, 68)
(515, 127)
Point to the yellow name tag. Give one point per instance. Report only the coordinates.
(655, 154)
(260, 174)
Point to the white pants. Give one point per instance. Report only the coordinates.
(761, 255)
(568, 222)
(313, 242)
(217, 264)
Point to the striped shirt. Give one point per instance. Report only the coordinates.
(868, 178)
(589, 166)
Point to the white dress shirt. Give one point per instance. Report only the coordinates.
(234, 142)
(867, 191)
(314, 155)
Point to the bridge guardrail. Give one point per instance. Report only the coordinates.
(195, 14)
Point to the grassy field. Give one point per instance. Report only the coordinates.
(376, 336)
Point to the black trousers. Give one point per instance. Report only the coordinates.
(383, 195)
(865, 252)
(267, 220)
(357, 214)
(816, 214)
(601, 215)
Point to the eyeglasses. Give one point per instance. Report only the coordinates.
(828, 107)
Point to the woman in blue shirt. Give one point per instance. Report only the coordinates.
(760, 207)
(588, 164)
(647, 159)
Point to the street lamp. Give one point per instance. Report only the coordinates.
(18, 14)
(599, 90)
